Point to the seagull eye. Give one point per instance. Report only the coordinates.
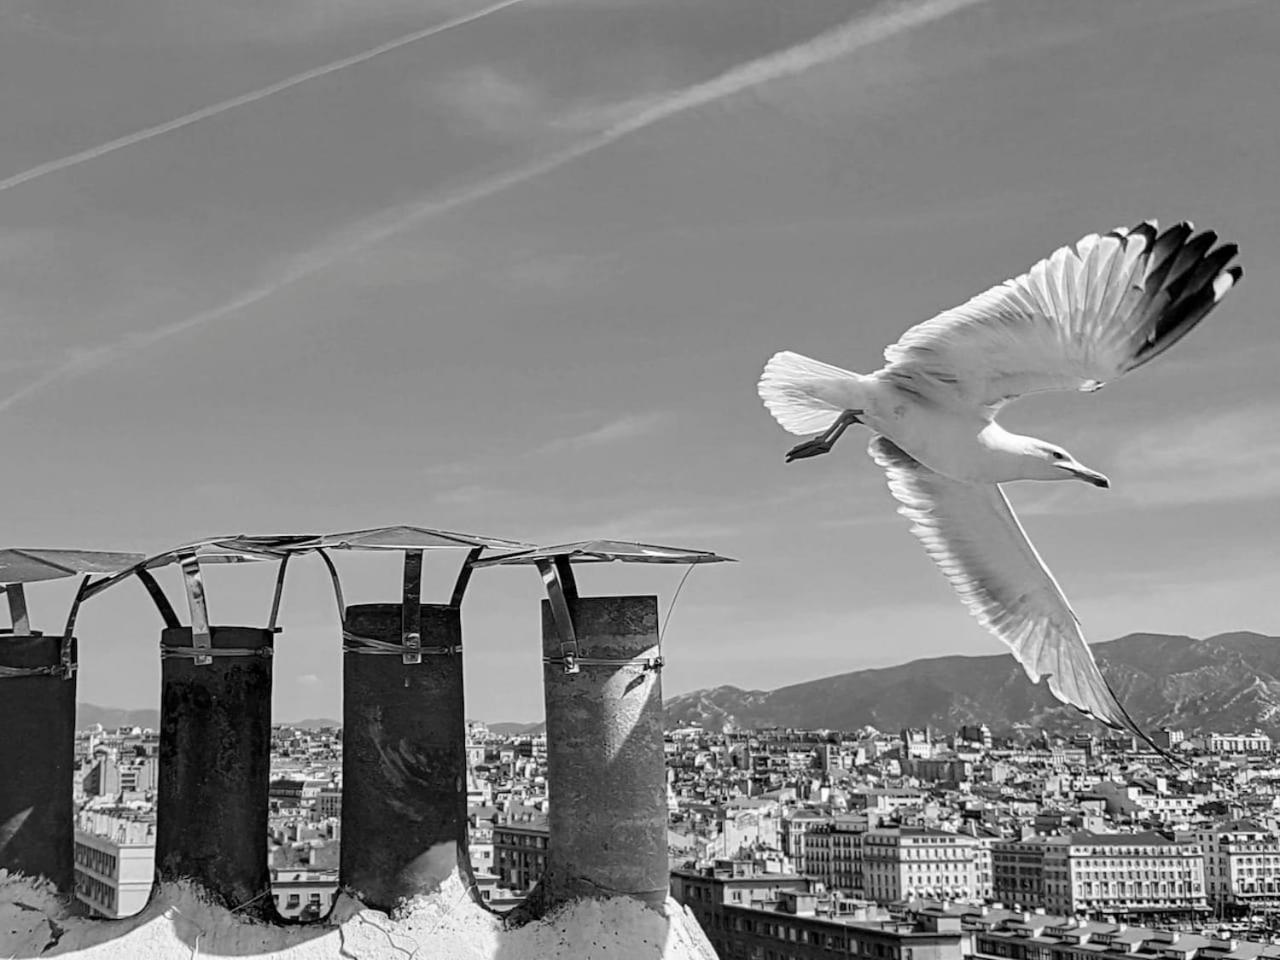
(1056, 455)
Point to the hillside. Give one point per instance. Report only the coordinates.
(1226, 682)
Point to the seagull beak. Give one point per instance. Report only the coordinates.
(1089, 476)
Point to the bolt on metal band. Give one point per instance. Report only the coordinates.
(198, 654)
(354, 643)
(14, 673)
(65, 667)
(571, 662)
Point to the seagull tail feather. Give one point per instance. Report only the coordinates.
(805, 395)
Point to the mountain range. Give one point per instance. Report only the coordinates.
(1229, 682)
(87, 714)
(1225, 683)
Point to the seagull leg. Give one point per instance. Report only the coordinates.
(823, 443)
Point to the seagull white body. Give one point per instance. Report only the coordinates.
(1077, 319)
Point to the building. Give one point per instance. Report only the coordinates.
(520, 852)
(1256, 742)
(978, 733)
(1000, 934)
(1242, 864)
(110, 777)
(329, 803)
(747, 914)
(793, 836)
(114, 863)
(916, 743)
(1115, 874)
(899, 863)
(303, 894)
(942, 769)
(834, 849)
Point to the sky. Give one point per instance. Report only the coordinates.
(518, 276)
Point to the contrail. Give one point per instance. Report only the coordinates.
(204, 113)
(815, 52)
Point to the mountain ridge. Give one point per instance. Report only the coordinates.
(1229, 681)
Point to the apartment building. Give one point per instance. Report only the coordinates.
(899, 863)
(1242, 864)
(1118, 874)
(834, 852)
(114, 863)
(999, 934)
(793, 834)
(520, 852)
(302, 893)
(1256, 742)
(747, 914)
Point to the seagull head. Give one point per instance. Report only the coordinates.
(1051, 462)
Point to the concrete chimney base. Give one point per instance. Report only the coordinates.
(35, 922)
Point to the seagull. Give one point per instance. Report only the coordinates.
(1082, 317)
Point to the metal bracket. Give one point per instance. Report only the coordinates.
(205, 656)
(337, 585)
(464, 577)
(18, 615)
(648, 663)
(411, 608)
(562, 594)
(67, 649)
(158, 597)
(201, 641)
(354, 643)
(279, 592)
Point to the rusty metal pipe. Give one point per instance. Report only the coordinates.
(608, 808)
(404, 760)
(37, 753)
(215, 746)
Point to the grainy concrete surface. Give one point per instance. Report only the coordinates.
(179, 924)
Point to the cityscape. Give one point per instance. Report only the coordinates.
(789, 843)
(864, 412)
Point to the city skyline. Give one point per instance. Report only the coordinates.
(576, 355)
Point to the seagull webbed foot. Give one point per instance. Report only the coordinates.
(824, 442)
(810, 448)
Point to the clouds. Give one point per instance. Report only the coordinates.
(380, 227)
(623, 429)
(213, 110)
(1232, 455)
(1200, 459)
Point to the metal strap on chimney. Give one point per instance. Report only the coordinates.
(562, 594)
(206, 655)
(648, 663)
(411, 608)
(464, 578)
(279, 592)
(158, 597)
(15, 673)
(67, 662)
(18, 615)
(67, 648)
(201, 639)
(410, 649)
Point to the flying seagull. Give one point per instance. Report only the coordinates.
(1076, 320)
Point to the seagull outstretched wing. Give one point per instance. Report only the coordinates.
(1077, 319)
(972, 534)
